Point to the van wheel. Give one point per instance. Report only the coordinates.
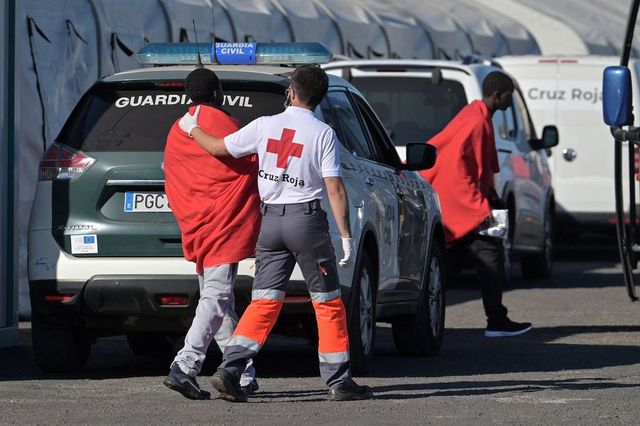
(540, 265)
(422, 334)
(362, 318)
(152, 345)
(59, 348)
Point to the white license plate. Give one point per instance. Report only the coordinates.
(147, 202)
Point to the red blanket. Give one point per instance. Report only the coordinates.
(463, 173)
(214, 200)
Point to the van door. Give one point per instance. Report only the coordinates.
(583, 169)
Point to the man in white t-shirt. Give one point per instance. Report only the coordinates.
(298, 156)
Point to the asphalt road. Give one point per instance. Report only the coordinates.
(580, 365)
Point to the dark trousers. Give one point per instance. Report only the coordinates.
(487, 255)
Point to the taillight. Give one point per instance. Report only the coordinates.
(58, 298)
(173, 299)
(61, 162)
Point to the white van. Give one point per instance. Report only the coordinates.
(567, 91)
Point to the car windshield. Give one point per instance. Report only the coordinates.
(413, 109)
(121, 117)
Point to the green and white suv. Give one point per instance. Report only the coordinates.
(105, 256)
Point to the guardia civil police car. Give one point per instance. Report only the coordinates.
(105, 256)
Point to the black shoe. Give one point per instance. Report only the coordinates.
(185, 384)
(349, 391)
(228, 386)
(506, 328)
(251, 388)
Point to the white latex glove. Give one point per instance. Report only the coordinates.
(347, 248)
(189, 122)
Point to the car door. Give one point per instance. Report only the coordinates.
(378, 193)
(515, 177)
(412, 220)
(539, 175)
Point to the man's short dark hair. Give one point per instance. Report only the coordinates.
(310, 83)
(496, 81)
(200, 85)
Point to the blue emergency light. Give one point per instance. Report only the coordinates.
(233, 53)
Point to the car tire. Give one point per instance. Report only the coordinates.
(151, 345)
(540, 265)
(59, 348)
(362, 318)
(422, 334)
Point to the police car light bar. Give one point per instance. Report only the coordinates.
(233, 53)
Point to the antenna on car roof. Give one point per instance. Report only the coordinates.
(195, 33)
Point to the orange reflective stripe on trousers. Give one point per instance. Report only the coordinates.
(258, 320)
(332, 326)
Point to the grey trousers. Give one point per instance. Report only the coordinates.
(290, 234)
(215, 319)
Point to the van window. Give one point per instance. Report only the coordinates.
(524, 120)
(511, 125)
(504, 124)
(412, 109)
(339, 114)
(125, 117)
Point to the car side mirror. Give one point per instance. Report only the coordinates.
(420, 156)
(617, 96)
(548, 140)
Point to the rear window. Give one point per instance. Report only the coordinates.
(121, 117)
(412, 109)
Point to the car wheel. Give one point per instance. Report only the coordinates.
(421, 334)
(152, 345)
(540, 265)
(362, 318)
(59, 348)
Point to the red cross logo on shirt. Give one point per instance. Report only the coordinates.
(285, 147)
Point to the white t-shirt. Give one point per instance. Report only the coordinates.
(295, 152)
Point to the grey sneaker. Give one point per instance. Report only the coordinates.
(184, 384)
(229, 386)
(507, 328)
(349, 391)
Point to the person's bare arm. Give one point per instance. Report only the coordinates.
(339, 204)
(211, 144)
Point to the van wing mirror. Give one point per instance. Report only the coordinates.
(616, 96)
(549, 139)
(420, 156)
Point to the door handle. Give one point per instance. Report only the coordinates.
(569, 154)
(368, 181)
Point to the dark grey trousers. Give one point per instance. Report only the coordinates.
(290, 234)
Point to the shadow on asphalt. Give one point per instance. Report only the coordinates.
(469, 388)
(466, 353)
(594, 274)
